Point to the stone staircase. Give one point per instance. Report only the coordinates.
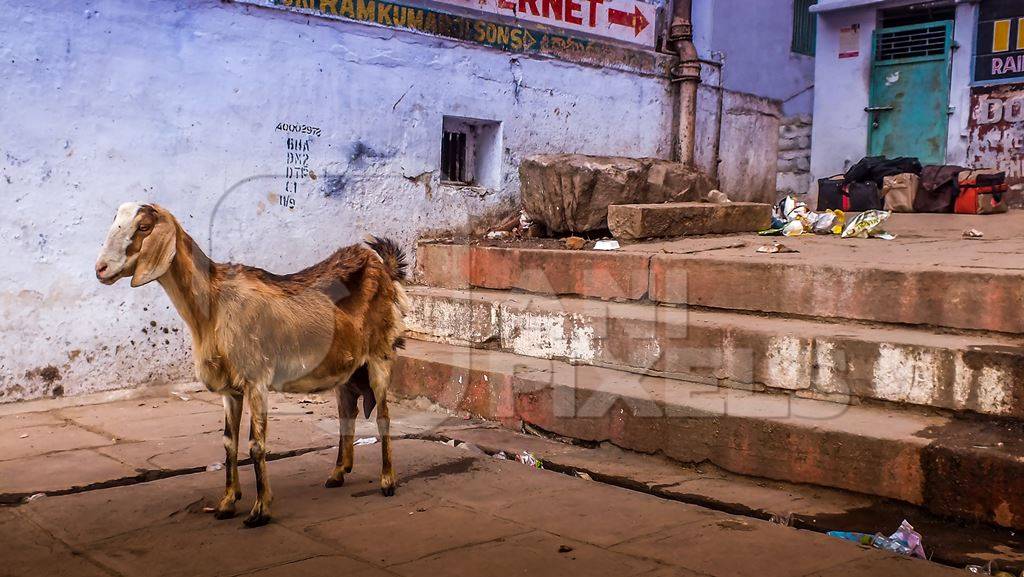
(899, 379)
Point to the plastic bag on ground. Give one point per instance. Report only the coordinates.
(868, 224)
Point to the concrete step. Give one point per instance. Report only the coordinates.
(953, 467)
(728, 274)
(635, 221)
(845, 363)
(798, 505)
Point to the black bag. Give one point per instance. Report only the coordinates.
(876, 168)
(832, 194)
(939, 188)
(901, 165)
(862, 170)
(864, 196)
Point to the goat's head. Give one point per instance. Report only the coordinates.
(140, 244)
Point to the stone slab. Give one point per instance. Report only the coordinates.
(641, 221)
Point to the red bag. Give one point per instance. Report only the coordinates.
(981, 192)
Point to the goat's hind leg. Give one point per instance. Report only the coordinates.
(232, 421)
(347, 414)
(380, 379)
(257, 396)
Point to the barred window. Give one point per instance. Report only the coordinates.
(805, 27)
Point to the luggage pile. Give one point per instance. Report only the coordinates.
(903, 185)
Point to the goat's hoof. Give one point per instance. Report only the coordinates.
(388, 490)
(332, 483)
(256, 520)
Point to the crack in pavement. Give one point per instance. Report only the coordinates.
(143, 476)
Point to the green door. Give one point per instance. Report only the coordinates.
(909, 102)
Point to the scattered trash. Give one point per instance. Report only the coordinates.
(584, 476)
(365, 441)
(905, 541)
(574, 242)
(990, 569)
(775, 247)
(311, 401)
(606, 245)
(34, 497)
(973, 233)
(527, 458)
(791, 217)
(500, 455)
(784, 520)
(499, 234)
(215, 466)
(209, 509)
(868, 225)
(861, 538)
(23, 436)
(564, 548)
(718, 197)
(181, 395)
(525, 222)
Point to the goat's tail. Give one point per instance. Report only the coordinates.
(392, 255)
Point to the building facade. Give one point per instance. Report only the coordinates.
(279, 130)
(941, 81)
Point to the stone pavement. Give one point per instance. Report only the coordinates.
(127, 491)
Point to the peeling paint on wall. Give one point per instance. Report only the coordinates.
(996, 130)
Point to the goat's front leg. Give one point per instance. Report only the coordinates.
(347, 413)
(232, 421)
(380, 378)
(257, 396)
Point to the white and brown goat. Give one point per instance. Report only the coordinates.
(333, 325)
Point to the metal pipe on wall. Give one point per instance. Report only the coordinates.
(686, 74)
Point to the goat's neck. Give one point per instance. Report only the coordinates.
(188, 284)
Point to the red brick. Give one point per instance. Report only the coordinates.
(443, 265)
(911, 295)
(601, 274)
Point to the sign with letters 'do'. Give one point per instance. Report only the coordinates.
(623, 20)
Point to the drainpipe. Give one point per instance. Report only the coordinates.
(686, 75)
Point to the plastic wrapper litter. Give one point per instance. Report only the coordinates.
(868, 224)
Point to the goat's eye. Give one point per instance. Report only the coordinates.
(144, 227)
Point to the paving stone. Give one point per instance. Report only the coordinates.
(768, 550)
(16, 443)
(154, 419)
(477, 491)
(85, 518)
(25, 549)
(22, 421)
(57, 471)
(886, 564)
(324, 566)
(622, 514)
(422, 531)
(199, 546)
(537, 554)
(173, 453)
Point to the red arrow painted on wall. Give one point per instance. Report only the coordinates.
(636, 20)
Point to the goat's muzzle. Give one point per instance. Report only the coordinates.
(101, 269)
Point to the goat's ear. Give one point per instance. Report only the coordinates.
(157, 252)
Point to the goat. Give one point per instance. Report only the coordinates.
(335, 325)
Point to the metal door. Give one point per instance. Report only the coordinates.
(909, 101)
